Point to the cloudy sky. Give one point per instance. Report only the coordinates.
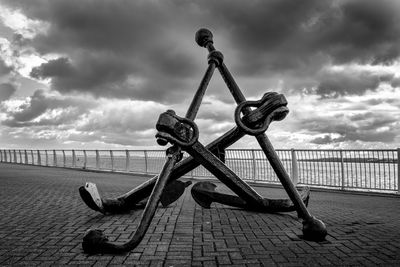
(96, 73)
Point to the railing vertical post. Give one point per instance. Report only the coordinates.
(1, 155)
(112, 160)
(39, 160)
(33, 158)
(85, 159)
(15, 156)
(295, 168)
(127, 163)
(26, 156)
(64, 159)
(97, 160)
(253, 158)
(47, 158)
(398, 170)
(54, 158)
(342, 167)
(73, 159)
(145, 161)
(20, 156)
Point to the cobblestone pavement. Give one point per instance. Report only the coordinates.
(43, 220)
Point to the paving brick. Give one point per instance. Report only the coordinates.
(43, 221)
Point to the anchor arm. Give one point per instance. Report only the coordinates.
(168, 125)
(204, 194)
(95, 241)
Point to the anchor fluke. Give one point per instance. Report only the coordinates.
(173, 191)
(199, 193)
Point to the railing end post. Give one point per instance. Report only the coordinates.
(398, 170)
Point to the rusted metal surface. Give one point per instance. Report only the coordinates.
(313, 229)
(95, 241)
(204, 194)
(251, 117)
(169, 126)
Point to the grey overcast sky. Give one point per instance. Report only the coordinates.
(97, 73)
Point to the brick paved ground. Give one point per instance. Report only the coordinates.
(43, 220)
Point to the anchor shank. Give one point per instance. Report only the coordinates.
(198, 97)
(94, 241)
(283, 176)
(153, 201)
(233, 87)
(266, 146)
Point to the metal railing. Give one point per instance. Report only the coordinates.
(371, 170)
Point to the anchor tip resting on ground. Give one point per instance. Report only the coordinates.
(91, 197)
(314, 230)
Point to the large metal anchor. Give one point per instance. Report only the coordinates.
(313, 229)
(182, 133)
(95, 241)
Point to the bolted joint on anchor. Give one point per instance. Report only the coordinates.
(271, 107)
(176, 130)
(217, 57)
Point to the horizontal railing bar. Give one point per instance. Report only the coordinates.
(361, 169)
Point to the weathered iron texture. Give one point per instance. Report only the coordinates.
(95, 241)
(313, 229)
(251, 117)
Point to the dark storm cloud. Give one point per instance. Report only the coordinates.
(286, 35)
(96, 75)
(6, 91)
(347, 82)
(140, 49)
(106, 44)
(39, 104)
(367, 127)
